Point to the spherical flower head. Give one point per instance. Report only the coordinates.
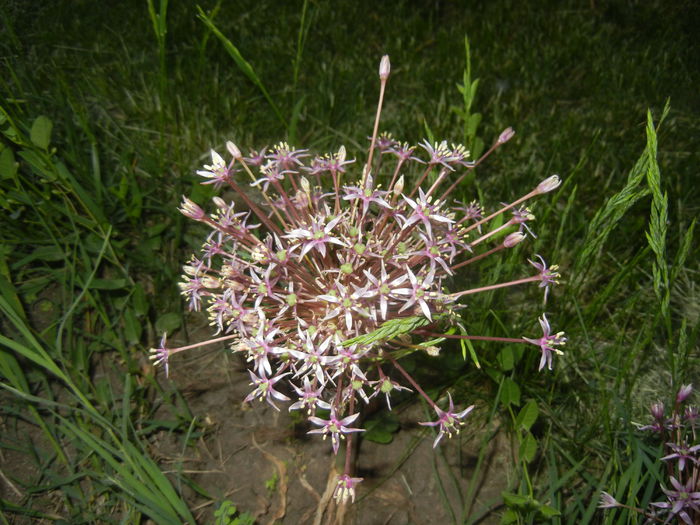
(345, 489)
(338, 259)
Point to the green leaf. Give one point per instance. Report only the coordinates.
(40, 133)
(527, 415)
(168, 322)
(108, 284)
(509, 516)
(139, 301)
(505, 358)
(42, 253)
(510, 393)
(390, 329)
(548, 512)
(528, 448)
(8, 165)
(515, 500)
(132, 326)
(473, 123)
(381, 427)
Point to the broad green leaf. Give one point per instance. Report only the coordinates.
(381, 427)
(40, 133)
(139, 301)
(509, 516)
(527, 415)
(548, 512)
(528, 448)
(8, 165)
(515, 500)
(510, 393)
(132, 326)
(168, 322)
(505, 358)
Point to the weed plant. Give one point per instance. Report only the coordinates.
(105, 121)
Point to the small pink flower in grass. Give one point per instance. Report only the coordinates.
(680, 501)
(682, 453)
(449, 421)
(548, 276)
(335, 427)
(547, 343)
(160, 355)
(345, 489)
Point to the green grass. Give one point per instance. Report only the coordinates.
(104, 122)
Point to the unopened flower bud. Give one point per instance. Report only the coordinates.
(398, 186)
(305, 186)
(220, 203)
(210, 282)
(233, 150)
(657, 411)
(384, 68)
(340, 156)
(191, 210)
(513, 239)
(432, 351)
(506, 135)
(683, 393)
(190, 270)
(549, 184)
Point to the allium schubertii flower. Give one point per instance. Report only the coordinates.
(321, 280)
